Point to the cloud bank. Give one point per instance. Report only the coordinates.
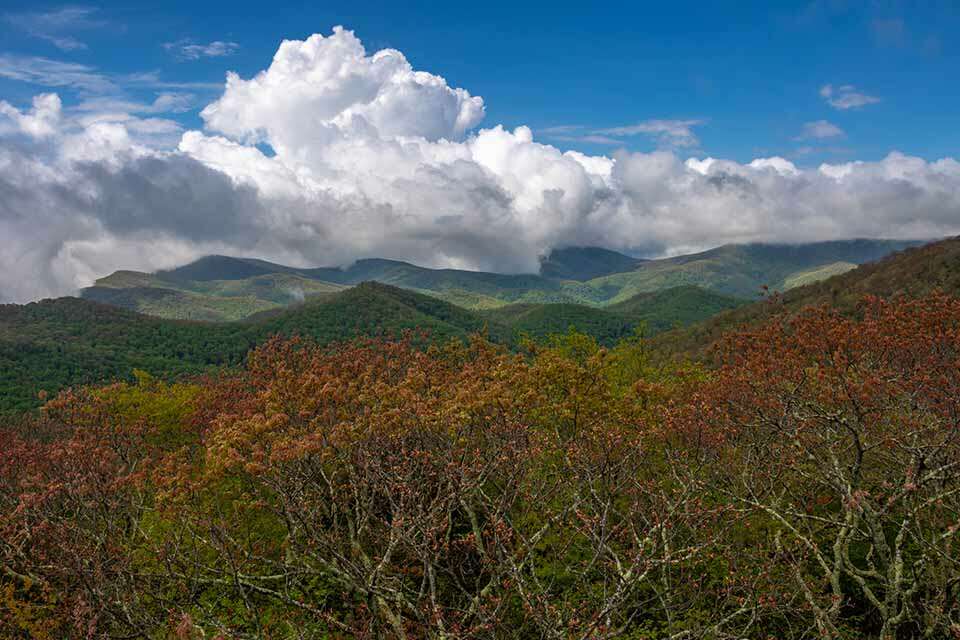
(333, 153)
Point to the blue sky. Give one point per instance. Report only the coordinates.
(470, 136)
(743, 79)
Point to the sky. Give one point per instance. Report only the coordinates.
(448, 134)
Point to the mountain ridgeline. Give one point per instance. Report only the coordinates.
(911, 273)
(53, 344)
(225, 288)
(132, 320)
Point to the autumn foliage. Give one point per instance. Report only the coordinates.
(808, 485)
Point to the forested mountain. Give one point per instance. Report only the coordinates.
(585, 263)
(170, 295)
(225, 288)
(655, 311)
(541, 320)
(57, 343)
(913, 272)
(674, 307)
(741, 270)
(52, 344)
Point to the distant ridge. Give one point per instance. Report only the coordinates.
(231, 288)
(585, 263)
(52, 344)
(914, 271)
(223, 268)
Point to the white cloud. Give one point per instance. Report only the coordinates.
(55, 26)
(87, 80)
(820, 130)
(776, 163)
(846, 97)
(329, 88)
(560, 129)
(41, 121)
(373, 158)
(187, 50)
(165, 102)
(54, 73)
(668, 133)
(588, 138)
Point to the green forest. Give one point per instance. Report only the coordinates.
(379, 463)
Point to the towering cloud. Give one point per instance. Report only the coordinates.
(333, 153)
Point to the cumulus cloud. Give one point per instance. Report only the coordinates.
(40, 121)
(846, 97)
(334, 153)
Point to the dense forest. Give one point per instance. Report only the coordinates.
(804, 486)
(53, 344)
(426, 472)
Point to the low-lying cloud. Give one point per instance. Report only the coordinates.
(370, 157)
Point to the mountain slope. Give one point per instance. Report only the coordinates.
(57, 343)
(585, 263)
(674, 307)
(541, 320)
(915, 271)
(223, 268)
(658, 311)
(741, 270)
(173, 297)
(224, 288)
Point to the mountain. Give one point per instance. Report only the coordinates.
(56, 343)
(585, 263)
(497, 287)
(741, 270)
(221, 288)
(171, 295)
(53, 344)
(223, 268)
(912, 272)
(541, 320)
(675, 307)
(657, 311)
(225, 288)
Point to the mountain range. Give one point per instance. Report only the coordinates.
(53, 344)
(222, 288)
